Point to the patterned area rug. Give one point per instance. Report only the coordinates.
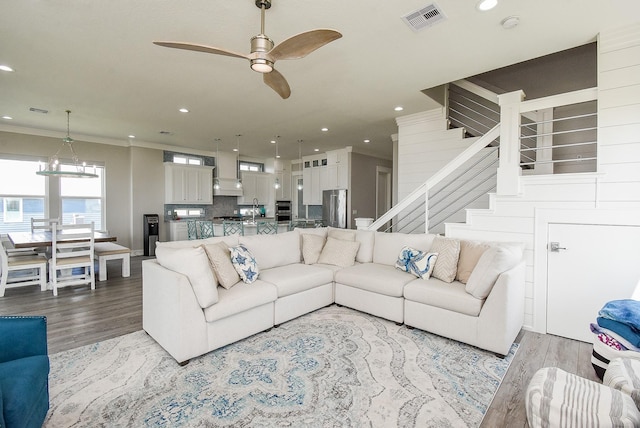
(335, 367)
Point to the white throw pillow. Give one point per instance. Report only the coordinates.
(491, 264)
(244, 263)
(312, 247)
(448, 250)
(417, 262)
(220, 262)
(194, 264)
(339, 252)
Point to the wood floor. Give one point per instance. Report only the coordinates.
(79, 316)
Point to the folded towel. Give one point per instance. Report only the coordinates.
(621, 329)
(596, 329)
(626, 311)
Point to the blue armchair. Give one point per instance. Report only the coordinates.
(24, 371)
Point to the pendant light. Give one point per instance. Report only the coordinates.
(53, 166)
(238, 179)
(216, 181)
(277, 182)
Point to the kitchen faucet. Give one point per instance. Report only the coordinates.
(253, 211)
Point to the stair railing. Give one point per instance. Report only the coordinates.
(423, 190)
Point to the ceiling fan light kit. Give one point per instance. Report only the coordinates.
(264, 54)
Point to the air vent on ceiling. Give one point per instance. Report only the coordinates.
(166, 133)
(38, 110)
(424, 17)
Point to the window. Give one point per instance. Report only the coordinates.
(13, 210)
(186, 160)
(251, 166)
(189, 212)
(82, 199)
(22, 195)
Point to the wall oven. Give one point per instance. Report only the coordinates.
(283, 210)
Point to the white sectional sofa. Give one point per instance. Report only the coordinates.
(192, 304)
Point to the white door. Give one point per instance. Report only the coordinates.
(593, 265)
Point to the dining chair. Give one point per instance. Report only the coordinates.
(29, 270)
(43, 224)
(205, 228)
(265, 227)
(192, 230)
(72, 248)
(231, 227)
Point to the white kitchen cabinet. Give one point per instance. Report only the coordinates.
(284, 192)
(258, 185)
(188, 184)
(178, 231)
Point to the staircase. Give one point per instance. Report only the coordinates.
(531, 131)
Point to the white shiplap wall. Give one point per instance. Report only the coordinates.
(616, 185)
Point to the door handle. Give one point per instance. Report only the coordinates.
(555, 247)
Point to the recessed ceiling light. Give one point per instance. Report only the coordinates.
(367, 141)
(510, 22)
(485, 5)
(7, 117)
(184, 110)
(399, 108)
(316, 150)
(235, 150)
(5, 68)
(273, 141)
(324, 129)
(132, 136)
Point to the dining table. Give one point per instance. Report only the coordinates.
(41, 238)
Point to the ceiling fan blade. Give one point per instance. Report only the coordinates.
(200, 48)
(303, 44)
(278, 83)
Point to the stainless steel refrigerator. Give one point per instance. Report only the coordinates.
(334, 208)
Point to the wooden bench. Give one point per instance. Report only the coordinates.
(111, 251)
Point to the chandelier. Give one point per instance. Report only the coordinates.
(79, 170)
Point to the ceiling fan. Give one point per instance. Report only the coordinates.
(264, 54)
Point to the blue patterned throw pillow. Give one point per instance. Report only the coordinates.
(416, 262)
(244, 263)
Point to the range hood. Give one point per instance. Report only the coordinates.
(227, 188)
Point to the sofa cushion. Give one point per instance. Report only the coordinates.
(244, 263)
(240, 298)
(448, 250)
(366, 238)
(387, 246)
(470, 252)
(344, 234)
(194, 264)
(450, 296)
(230, 240)
(377, 278)
(624, 374)
(339, 252)
(494, 261)
(291, 279)
(416, 262)
(273, 250)
(25, 392)
(556, 398)
(312, 247)
(220, 261)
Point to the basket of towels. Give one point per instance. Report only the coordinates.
(617, 333)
